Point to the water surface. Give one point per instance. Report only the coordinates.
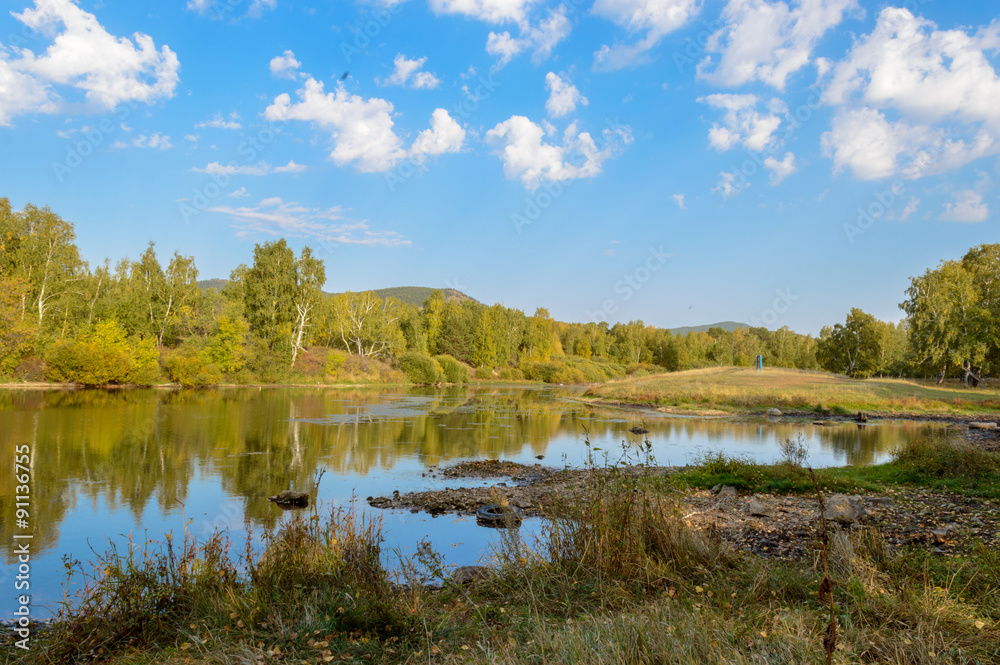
(107, 464)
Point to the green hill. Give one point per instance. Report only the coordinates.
(728, 326)
(414, 295)
(212, 284)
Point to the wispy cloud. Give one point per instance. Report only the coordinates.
(275, 217)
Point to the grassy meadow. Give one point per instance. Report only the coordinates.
(742, 390)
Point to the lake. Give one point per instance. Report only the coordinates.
(107, 464)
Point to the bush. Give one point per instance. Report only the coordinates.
(552, 371)
(335, 361)
(190, 366)
(454, 371)
(595, 370)
(105, 356)
(510, 374)
(421, 368)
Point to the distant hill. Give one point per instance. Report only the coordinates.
(414, 295)
(212, 284)
(728, 326)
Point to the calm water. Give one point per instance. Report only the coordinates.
(109, 464)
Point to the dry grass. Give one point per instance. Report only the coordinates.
(742, 389)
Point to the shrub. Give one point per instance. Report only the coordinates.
(105, 356)
(454, 371)
(335, 361)
(421, 368)
(510, 374)
(552, 371)
(190, 366)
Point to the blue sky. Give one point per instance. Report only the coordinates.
(675, 161)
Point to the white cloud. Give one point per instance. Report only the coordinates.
(285, 65)
(218, 122)
(503, 47)
(290, 167)
(258, 169)
(873, 147)
(83, 55)
(940, 86)
(655, 18)
(275, 217)
(491, 11)
(200, 6)
(728, 185)
(445, 135)
(679, 200)
(256, 9)
(409, 71)
(239, 193)
(540, 39)
(742, 122)
(768, 41)
(526, 155)
(155, 141)
(362, 129)
(911, 207)
(968, 206)
(563, 96)
(781, 170)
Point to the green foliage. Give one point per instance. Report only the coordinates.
(226, 346)
(454, 371)
(552, 371)
(862, 347)
(105, 356)
(191, 366)
(363, 324)
(421, 368)
(508, 374)
(17, 336)
(335, 362)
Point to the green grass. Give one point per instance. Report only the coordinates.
(939, 462)
(615, 576)
(736, 389)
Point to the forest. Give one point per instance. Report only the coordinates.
(146, 321)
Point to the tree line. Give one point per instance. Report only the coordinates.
(139, 322)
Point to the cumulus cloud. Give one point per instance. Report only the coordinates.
(255, 10)
(218, 122)
(525, 153)
(968, 206)
(781, 170)
(408, 72)
(109, 70)
(540, 39)
(939, 87)
(743, 124)
(258, 169)
(563, 96)
(491, 11)
(362, 129)
(729, 186)
(156, 141)
(276, 217)
(444, 135)
(285, 65)
(768, 41)
(654, 18)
